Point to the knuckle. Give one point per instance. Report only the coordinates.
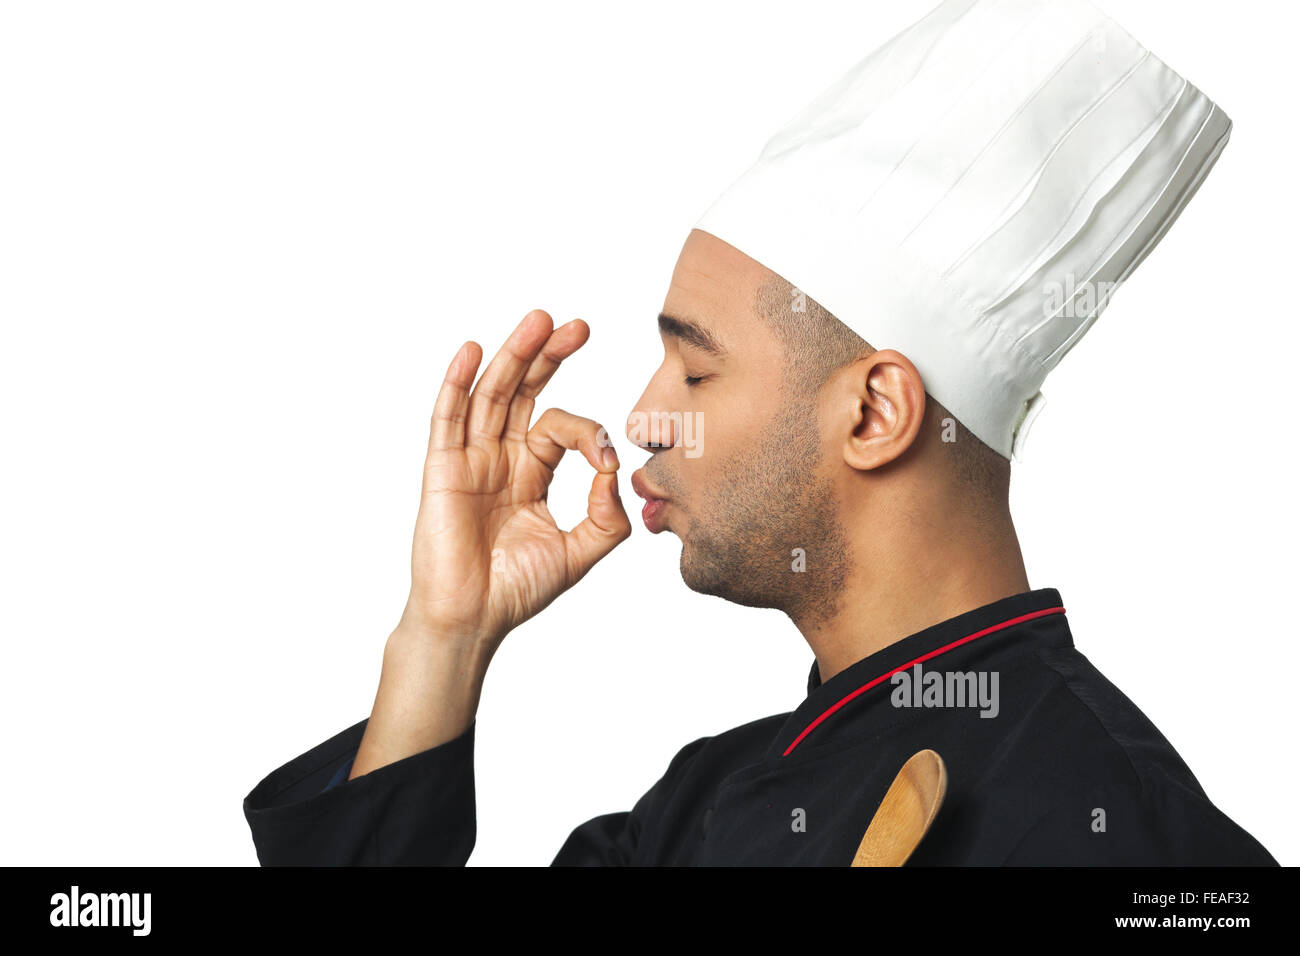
(497, 396)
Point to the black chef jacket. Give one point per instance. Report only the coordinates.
(1064, 770)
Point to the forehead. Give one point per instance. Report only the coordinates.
(716, 286)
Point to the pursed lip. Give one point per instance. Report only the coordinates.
(655, 503)
(643, 488)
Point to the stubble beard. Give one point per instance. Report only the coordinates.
(744, 544)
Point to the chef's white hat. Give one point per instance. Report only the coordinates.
(971, 194)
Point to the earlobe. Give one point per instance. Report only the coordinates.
(890, 409)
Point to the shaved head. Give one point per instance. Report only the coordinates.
(817, 345)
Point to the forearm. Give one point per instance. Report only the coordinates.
(428, 694)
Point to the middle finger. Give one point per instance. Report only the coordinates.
(495, 390)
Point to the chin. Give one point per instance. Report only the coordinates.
(697, 575)
(708, 577)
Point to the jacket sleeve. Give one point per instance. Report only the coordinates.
(420, 810)
(417, 810)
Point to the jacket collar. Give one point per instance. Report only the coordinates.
(1034, 616)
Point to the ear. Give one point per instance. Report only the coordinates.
(888, 409)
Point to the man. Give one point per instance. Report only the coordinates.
(855, 477)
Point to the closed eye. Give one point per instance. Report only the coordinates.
(693, 380)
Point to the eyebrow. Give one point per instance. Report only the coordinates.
(690, 332)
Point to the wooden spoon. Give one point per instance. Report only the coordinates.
(905, 815)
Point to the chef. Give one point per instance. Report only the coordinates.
(863, 320)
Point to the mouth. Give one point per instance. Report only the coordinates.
(652, 514)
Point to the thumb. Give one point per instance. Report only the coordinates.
(605, 526)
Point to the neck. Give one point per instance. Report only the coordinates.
(917, 567)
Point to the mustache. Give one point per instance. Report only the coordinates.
(657, 472)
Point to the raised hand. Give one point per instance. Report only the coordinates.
(487, 553)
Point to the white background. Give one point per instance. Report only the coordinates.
(239, 243)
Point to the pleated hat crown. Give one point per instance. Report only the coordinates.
(972, 193)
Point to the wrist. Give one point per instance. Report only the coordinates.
(419, 647)
(429, 690)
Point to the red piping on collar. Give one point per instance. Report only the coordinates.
(924, 657)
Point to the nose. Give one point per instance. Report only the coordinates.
(650, 423)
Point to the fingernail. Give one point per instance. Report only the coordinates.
(610, 458)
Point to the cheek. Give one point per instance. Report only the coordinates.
(720, 435)
(696, 433)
